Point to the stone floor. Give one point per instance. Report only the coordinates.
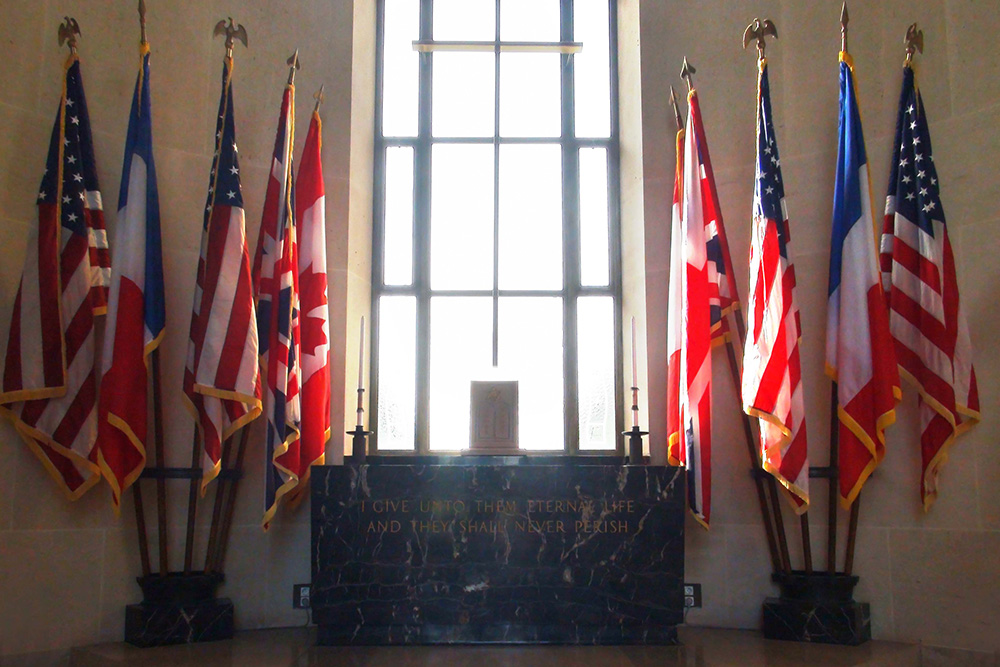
(293, 647)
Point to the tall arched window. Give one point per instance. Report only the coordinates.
(496, 242)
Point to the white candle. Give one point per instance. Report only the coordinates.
(361, 361)
(635, 374)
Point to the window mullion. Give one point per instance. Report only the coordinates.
(571, 245)
(496, 192)
(421, 238)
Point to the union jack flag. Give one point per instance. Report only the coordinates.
(221, 373)
(275, 278)
(49, 383)
(772, 373)
(702, 294)
(928, 326)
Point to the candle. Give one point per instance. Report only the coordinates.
(361, 356)
(635, 382)
(635, 374)
(361, 368)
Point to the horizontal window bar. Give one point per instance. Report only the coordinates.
(578, 141)
(427, 46)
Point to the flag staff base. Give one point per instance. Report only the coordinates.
(180, 607)
(817, 608)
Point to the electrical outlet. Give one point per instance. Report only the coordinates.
(692, 595)
(301, 596)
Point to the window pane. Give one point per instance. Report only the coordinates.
(596, 353)
(398, 242)
(531, 352)
(529, 95)
(464, 89)
(397, 368)
(462, 217)
(593, 68)
(461, 351)
(529, 20)
(530, 217)
(399, 68)
(594, 250)
(465, 20)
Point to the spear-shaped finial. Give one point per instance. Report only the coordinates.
(69, 29)
(142, 23)
(844, 18)
(758, 30)
(318, 95)
(232, 33)
(914, 41)
(686, 71)
(293, 64)
(677, 109)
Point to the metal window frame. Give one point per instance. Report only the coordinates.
(570, 146)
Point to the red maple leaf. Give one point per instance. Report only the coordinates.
(312, 289)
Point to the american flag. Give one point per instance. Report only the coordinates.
(310, 215)
(859, 355)
(137, 308)
(49, 383)
(772, 374)
(221, 373)
(918, 273)
(275, 279)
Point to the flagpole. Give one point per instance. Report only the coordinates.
(192, 503)
(161, 483)
(140, 524)
(220, 490)
(227, 521)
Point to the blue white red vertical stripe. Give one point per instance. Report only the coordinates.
(275, 278)
(221, 376)
(49, 383)
(310, 217)
(136, 306)
(859, 350)
(928, 326)
(772, 372)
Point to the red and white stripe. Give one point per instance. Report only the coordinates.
(772, 373)
(931, 336)
(676, 450)
(221, 372)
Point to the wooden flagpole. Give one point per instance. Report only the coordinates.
(831, 537)
(227, 521)
(161, 483)
(220, 492)
(140, 524)
(192, 503)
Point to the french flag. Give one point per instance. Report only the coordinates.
(859, 347)
(136, 309)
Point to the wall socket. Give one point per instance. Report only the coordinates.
(301, 596)
(692, 595)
